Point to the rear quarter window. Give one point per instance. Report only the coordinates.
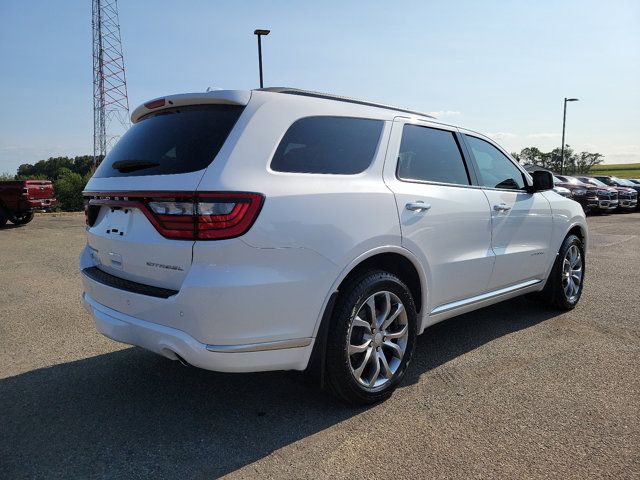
(328, 145)
(177, 140)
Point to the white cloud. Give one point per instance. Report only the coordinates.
(543, 135)
(626, 150)
(589, 147)
(622, 154)
(444, 113)
(501, 135)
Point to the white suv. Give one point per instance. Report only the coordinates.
(277, 229)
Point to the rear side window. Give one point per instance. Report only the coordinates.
(178, 140)
(333, 145)
(429, 154)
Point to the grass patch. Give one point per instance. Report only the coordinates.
(622, 170)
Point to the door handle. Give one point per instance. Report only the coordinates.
(418, 206)
(502, 207)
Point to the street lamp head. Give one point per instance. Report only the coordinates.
(261, 32)
(571, 99)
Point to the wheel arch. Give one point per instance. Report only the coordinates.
(579, 231)
(577, 226)
(392, 262)
(394, 259)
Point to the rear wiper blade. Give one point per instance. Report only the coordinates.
(132, 165)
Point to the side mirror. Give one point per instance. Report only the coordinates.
(542, 180)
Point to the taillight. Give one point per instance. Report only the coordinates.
(172, 217)
(203, 216)
(227, 216)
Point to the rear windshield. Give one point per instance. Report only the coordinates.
(178, 140)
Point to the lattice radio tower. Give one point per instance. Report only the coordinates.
(110, 102)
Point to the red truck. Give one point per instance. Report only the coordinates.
(19, 199)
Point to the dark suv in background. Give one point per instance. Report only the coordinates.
(622, 183)
(583, 193)
(627, 197)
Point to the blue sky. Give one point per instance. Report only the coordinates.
(502, 68)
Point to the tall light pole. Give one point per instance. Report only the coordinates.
(564, 121)
(260, 33)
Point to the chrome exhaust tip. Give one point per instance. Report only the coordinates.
(182, 361)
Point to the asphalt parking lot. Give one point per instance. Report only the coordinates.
(511, 391)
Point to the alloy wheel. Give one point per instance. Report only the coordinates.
(572, 273)
(378, 339)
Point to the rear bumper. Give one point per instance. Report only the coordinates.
(238, 295)
(170, 342)
(39, 204)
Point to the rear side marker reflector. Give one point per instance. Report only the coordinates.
(186, 216)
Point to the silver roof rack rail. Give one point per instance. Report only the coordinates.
(328, 96)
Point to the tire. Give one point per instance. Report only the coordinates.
(3, 219)
(389, 344)
(556, 293)
(23, 219)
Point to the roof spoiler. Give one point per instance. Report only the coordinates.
(215, 97)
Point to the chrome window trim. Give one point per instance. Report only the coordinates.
(439, 184)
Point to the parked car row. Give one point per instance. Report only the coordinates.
(599, 194)
(627, 191)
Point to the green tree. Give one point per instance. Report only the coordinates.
(68, 188)
(6, 177)
(83, 164)
(40, 176)
(548, 160)
(25, 170)
(51, 168)
(531, 156)
(555, 159)
(585, 161)
(573, 163)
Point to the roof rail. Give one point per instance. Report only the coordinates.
(329, 96)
